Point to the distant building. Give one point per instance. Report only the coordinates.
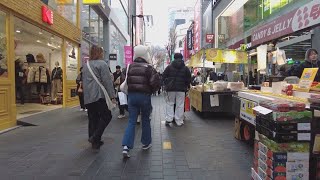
(178, 16)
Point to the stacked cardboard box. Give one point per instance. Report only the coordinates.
(282, 144)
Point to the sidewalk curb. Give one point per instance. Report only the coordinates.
(9, 129)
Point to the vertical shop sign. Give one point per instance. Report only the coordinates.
(189, 40)
(197, 26)
(47, 15)
(128, 55)
(296, 20)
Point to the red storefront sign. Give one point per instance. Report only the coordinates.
(298, 19)
(47, 15)
(209, 38)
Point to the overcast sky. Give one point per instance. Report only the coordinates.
(158, 34)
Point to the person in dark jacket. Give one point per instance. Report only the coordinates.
(177, 79)
(119, 78)
(311, 61)
(20, 77)
(142, 80)
(80, 92)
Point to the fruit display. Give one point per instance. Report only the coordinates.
(287, 89)
(283, 105)
(282, 147)
(286, 122)
(289, 117)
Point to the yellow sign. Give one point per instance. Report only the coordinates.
(227, 56)
(307, 78)
(64, 2)
(92, 2)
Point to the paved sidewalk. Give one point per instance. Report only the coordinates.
(57, 148)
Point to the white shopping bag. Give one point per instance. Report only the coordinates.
(122, 98)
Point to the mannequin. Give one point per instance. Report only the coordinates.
(56, 81)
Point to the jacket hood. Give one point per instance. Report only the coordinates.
(308, 53)
(178, 63)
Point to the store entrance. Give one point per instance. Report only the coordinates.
(38, 69)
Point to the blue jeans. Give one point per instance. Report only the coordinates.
(137, 102)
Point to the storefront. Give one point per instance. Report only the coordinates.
(35, 41)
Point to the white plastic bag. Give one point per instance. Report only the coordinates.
(122, 98)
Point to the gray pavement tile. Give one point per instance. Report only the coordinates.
(170, 178)
(169, 172)
(156, 168)
(156, 162)
(182, 168)
(168, 166)
(184, 174)
(156, 175)
(181, 162)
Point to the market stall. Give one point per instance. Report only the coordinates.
(282, 123)
(215, 96)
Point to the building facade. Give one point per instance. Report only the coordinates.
(39, 35)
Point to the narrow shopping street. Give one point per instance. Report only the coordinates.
(57, 148)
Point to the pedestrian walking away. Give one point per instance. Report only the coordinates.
(177, 79)
(99, 95)
(142, 80)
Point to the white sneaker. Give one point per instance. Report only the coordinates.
(86, 110)
(125, 152)
(121, 116)
(146, 147)
(179, 123)
(81, 109)
(139, 119)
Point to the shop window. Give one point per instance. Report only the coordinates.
(3, 46)
(38, 55)
(72, 61)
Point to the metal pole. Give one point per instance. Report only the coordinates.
(132, 37)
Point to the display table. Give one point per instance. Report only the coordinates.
(210, 101)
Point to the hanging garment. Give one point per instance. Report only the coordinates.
(30, 75)
(43, 75)
(262, 57)
(281, 57)
(37, 75)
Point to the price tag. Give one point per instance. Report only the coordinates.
(262, 110)
(304, 136)
(304, 126)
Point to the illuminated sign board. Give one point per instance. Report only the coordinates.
(92, 2)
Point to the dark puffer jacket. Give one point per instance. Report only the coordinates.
(142, 77)
(176, 77)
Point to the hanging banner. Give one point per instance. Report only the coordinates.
(128, 55)
(197, 26)
(298, 19)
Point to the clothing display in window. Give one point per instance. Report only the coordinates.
(56, 81)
